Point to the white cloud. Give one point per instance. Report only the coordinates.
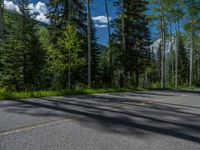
(40, 9)
(101, 19)
(101, 26)
(11, 6)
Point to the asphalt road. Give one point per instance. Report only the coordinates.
(153, 120)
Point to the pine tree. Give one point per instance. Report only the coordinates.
(63, 12)
(109, 43)
(89, 42)
(66, 11)
(95, 58)
(183, 64)
(133, 33)
(22, 58)
(65, 59)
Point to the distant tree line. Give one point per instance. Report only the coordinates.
(65, 53)
(178, 23)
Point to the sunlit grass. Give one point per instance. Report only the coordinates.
(9, 95)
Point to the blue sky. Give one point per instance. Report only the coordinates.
(98, 14)
(98, 9)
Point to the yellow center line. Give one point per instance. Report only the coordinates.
(30, 127)
(184, 95)
(51, 122)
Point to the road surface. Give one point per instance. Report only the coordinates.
(153, 120)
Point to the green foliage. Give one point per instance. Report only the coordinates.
(183, 64)
(96, 67)
(70, 44)
(65, 57)
(22, 56)
(36, 57)
(5, 95)
(135, 58)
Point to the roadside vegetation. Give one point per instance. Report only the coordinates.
(152, 44)
(10, 95)
(13, 95)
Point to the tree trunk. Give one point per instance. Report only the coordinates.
(1, 18)
(109, 45)
(198, 72)
(163, 48)
(146, 79)
(191, 58)
(69, 70)
(124, 44)
(89, 42)
(176, 54)
(176, 60)
(172, 56)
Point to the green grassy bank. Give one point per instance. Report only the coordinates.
(9, 95)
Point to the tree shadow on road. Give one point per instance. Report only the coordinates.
(120, 115)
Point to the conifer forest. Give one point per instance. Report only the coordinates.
(151, 44)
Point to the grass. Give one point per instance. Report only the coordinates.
(9, 95)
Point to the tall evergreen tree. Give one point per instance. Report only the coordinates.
(95, 58)
(109, 43)
(65, 59)
(183, 64)
(89, 42)
(133, 34)
(62, 12)
(22, 57)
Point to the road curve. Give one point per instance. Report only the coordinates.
(152, 120)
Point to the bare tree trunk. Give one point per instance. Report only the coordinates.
(146, 79)
(109, 45)
(89, 42)
(173, 75)
(176, 61)
(1, 18)
(171, 57)
(176, 54)
(69, 70)
(163, 62)
(124, 44)
(198, 72)
(70, 14)
(167, 64)
(191, 58)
